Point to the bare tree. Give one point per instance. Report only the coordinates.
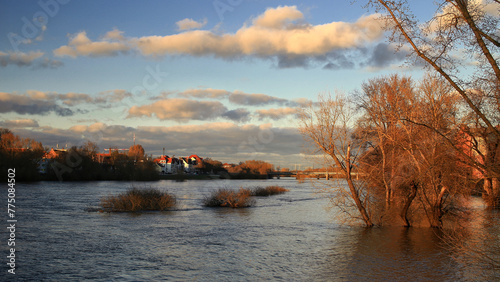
(461, 34)
(412, 159)
(456, 24)
(328, 126)
(90, 149)
(386, 102)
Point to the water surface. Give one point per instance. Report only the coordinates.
(291, 237)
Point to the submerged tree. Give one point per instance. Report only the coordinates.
(389, 167)
(411, 128)
(328, 126)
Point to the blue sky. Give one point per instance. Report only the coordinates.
(220, 79)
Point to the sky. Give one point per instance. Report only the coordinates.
(221, 79)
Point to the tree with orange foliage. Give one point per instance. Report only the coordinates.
(136, 152)
(459, 27)
(21, 154)
(252, 167)
(411, 128)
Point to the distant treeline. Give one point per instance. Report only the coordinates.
(83, 163)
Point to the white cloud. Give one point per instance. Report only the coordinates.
(245, 99)
(81, 45)
(281, 17)
(33, 102)
(31, 58)
(235, 97)
(36, 102)
(276, 114)
(180, 110)
(280, 33)
(187, 24)
(205, 93)
(19, 123)
(112, 96)
(262, 41)
(114, 34)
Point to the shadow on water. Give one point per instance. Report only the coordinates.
(388, 253)
(224, 212)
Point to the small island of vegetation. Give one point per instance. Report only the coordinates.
(241, 198)
(135, 200)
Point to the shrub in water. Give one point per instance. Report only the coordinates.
(138, 200)
(230, 198)
(268, 191)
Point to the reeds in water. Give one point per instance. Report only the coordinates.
(229, 198)
(138, 200)
(268, 191)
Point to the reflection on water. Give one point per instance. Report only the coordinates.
(284, 237)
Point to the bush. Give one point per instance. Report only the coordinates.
(268, 191)
(230, 198)
(138, 200)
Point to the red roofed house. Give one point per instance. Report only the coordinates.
(43, 164)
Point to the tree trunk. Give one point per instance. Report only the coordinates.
(357, 200)
(406, 207)
(495, 189)
(491, 193)
(354, 192)
(437, 210)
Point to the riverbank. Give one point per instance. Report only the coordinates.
(189, 176)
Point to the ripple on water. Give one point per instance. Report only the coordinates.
(284, 237)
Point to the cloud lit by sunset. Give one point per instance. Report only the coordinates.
(166, 69)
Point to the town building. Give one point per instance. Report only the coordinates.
(44, 163)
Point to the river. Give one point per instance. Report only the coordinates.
(290, 237)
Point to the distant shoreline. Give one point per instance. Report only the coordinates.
(176, 177)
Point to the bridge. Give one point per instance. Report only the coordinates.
(307, 174)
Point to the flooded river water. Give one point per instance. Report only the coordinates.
(289, 237)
